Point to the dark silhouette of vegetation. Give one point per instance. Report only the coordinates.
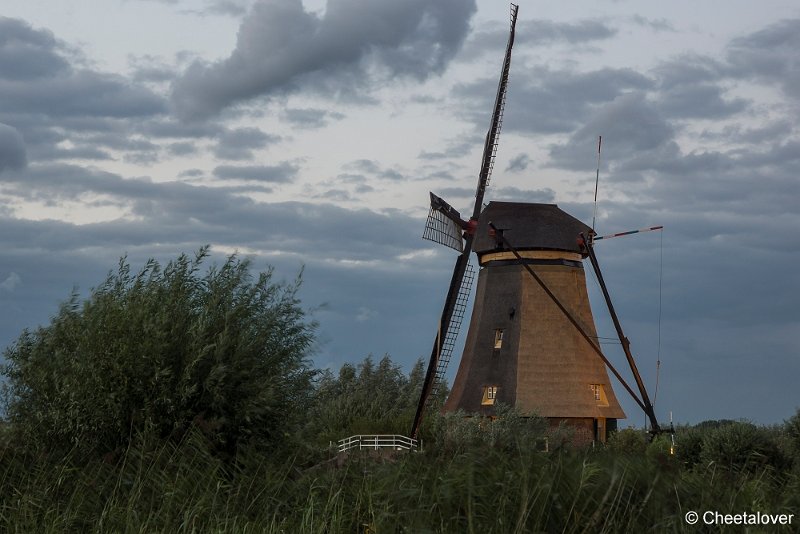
(160, 351)
(170, 401)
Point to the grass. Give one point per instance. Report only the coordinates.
(182, 487)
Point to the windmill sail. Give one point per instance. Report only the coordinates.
(444, 225)
(449, 340)
(457, 280)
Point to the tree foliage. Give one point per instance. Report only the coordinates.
(365, 399)
(162, 350)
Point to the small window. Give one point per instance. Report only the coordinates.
(498, 338)
(599, 394)
(489, 395)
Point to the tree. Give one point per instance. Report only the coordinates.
(161, 351)
(365, 399)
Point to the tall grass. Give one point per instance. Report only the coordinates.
(183, 487)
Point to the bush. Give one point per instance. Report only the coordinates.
(364, 399)
(627, 441)
(161, 351)
(740, 445)
(792, 429)
(511, 431)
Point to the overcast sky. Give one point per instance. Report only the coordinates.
(309, 134)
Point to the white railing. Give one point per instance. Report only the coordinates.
(376, 442)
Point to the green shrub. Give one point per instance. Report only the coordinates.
(688, 444)
(364, 399)
(792, 429)
(627, 441)
(160, 351)
(740, 445)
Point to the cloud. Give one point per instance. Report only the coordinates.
(542, 100)
(239, 143)
(49, 101)
(182, 148)
(699, 101)
(28, 54)
(770, 55)
(280, 46)
(493, 36)
(80, 93)
(658, 25)
(632, 128)
(283, 173)
(518, 163)
(310, 118)
(12, 149)
(375, 169)
(11, 282)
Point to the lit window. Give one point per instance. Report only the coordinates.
(498, 338)
(599, 394)
(489, 395)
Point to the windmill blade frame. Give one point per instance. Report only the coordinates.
(444, 225)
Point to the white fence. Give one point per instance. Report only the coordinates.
(376, 442)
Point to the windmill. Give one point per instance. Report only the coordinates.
(531, 342)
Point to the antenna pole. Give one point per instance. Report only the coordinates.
(596, 179)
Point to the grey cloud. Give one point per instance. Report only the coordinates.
(355, 253)
(182, 148)
(546, 196)
(310, 118)
(659, 25)
(777, 130)
(337, 195)
(770, 55)
(80, 93)
(632, 129)
(52, 153)
(518, 163)
(12, 149)
(153, 73)
(280, 42)
(11, 282)
(50, 101)
(546, 101)
(700, 101)
(27, 54)
(170, 128)
(283, 173)
(239, 143)
(543, 31)
(375, 169)
(233, 8)
(689, 69)
(537, 32)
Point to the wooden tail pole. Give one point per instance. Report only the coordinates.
(648, 406)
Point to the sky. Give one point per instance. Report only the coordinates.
(307, 135)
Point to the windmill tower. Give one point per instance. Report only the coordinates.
(532, 342)
(521, 349)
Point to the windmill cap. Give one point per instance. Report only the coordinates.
(529, 226)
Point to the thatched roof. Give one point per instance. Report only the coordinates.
(529, 226)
